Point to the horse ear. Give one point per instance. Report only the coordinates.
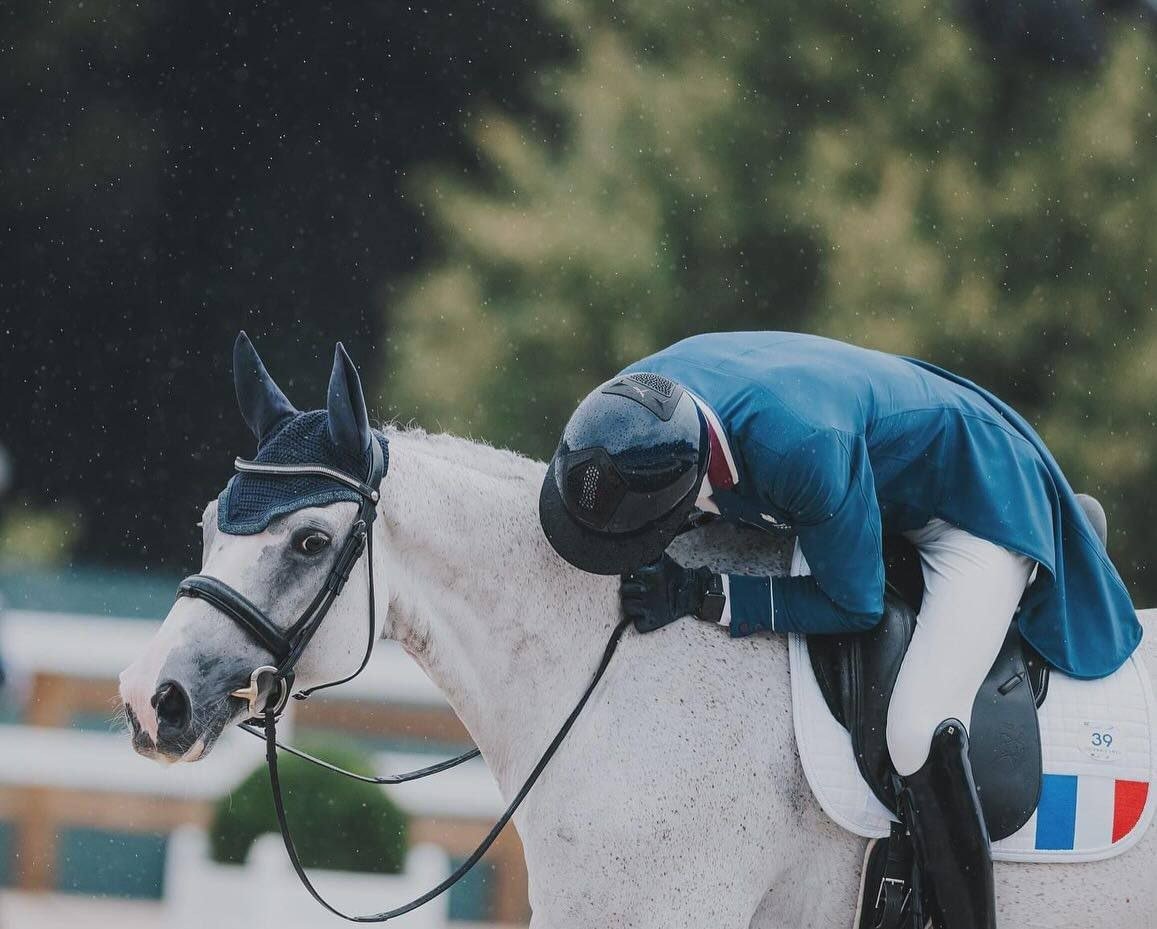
(261, 401)
(349, 423)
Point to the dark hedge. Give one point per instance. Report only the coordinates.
(337, 823)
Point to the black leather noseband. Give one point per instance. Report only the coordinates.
(239, 609)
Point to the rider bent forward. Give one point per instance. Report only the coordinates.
(838, 445)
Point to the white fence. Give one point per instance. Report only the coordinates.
(264, 893)
(68, 759)
(71, 645)
(84, 646)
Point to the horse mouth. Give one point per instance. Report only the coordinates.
(196, 751)
(172, 748)
(178, 753)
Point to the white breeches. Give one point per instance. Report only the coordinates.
(971, 591)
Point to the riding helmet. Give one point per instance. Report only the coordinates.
(626, 474)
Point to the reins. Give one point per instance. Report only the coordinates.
(286, 647)
(415, 775)
(271, 746)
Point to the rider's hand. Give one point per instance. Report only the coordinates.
(663, 591)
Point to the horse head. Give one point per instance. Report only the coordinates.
(277, 542)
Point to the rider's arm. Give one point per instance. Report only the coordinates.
(787, 604)
(825, 483)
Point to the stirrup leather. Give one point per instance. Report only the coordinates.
(891, 897)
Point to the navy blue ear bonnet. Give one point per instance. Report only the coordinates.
(338, 437)
(250, 502)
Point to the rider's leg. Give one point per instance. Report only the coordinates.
(972, 589)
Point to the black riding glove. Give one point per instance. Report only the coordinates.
(661, 592)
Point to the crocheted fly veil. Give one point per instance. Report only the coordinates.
(337, 437)
(250, 502)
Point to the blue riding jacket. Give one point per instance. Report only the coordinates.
(840, 444)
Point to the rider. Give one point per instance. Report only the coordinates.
(837, 445)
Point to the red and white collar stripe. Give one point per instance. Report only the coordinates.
(721, 470)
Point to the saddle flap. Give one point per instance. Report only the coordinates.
(858, 672)
(1004, 741)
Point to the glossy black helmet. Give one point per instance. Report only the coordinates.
(626, 474)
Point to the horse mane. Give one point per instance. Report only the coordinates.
(721, 545)
(474, 454)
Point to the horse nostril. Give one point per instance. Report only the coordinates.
(172, 706)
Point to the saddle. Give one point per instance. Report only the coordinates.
(857, 674)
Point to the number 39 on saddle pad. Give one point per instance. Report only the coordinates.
(1097, 751)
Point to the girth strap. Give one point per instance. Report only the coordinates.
(241, 610)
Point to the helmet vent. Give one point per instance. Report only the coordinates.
(655, 382)
(593, 488)
(590, 487)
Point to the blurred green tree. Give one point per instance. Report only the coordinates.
(32, 536)
(338, 823)
(863, 171)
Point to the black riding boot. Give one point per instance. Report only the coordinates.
(940, 806)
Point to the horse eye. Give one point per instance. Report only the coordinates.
(312, 542)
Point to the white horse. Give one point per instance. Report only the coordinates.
(678, 798)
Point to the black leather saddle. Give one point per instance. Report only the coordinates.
(857, 672)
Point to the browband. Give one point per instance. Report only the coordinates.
(261, 467)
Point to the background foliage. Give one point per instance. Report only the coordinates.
(172, 172)
(499, 205)
(871, 172)
(337, 823)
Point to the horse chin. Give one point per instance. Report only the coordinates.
(200, 746)
(197, 751)
(184, 750)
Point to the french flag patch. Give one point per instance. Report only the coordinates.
(1085, 812)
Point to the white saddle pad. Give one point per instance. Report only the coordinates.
(1098, 752)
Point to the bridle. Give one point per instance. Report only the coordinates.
(286, 647)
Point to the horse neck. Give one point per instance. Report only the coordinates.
(495, 618)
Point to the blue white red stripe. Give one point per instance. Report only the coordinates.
(1085, 812)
